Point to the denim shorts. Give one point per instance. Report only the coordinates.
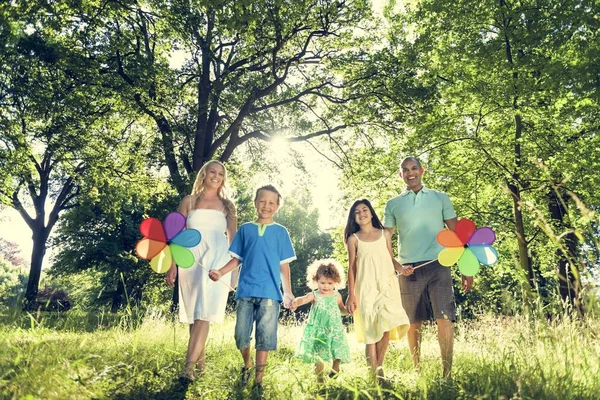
(265, 312)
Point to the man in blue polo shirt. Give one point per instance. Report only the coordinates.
(419, 214)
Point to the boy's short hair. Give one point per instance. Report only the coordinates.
(270, 188)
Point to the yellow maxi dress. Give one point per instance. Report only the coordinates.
(378, 292)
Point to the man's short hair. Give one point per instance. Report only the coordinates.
(412, 158)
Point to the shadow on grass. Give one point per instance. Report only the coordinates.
(72, 320)
(175, 390)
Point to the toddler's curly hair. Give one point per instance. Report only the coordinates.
(328, 268)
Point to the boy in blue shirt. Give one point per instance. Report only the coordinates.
(265, 249)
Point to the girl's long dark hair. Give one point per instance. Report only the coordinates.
(352, 226)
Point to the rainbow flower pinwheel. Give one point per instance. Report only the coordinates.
(468, 246)
(164, 243)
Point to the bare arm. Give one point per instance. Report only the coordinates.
(288, 296)
(216, 274)
(300, 301)
(231, 230)
(231, 227)
(451, 223)
(341, 305)
(351, 301)
(402, 269)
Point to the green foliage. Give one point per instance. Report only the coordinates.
(13, 280)
(97, 242)
(62, 130)
(214, 76)
(500, 124)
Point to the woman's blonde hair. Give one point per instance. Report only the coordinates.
(223, 191)
(328, 268)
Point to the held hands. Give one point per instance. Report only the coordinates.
(294, 305)
(289, 300)
(406, 270)
(351, 303)
(214, 274)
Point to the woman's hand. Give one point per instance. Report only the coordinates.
(351, 303)
(171, 275)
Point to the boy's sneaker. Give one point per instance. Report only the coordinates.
(245, 376)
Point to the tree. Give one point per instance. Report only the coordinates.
(101, 240)
(252, 70)
(515, 105)
(59, 129)
(10, 252)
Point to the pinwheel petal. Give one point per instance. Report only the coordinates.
(450, 255)
(464, 229)
(148, 248)
(174, 223)
(483, 235)
(162, 261)
(487, 255)
(187, 238)
(152, 228)
(468, 264)
(448, 238)
(182, 256)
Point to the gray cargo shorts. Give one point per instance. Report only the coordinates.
(429, 290)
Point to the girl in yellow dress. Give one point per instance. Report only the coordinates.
(373, 291)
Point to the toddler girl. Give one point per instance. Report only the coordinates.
(324, 338)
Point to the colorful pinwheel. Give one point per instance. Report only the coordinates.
(163, 244)
(468, 246)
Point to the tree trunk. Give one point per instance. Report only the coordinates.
(40, 236)
(524, 260)
(117, 299)
(569, 284)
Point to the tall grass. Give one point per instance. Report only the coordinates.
(95, 357)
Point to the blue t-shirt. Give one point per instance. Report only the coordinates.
(261, 249)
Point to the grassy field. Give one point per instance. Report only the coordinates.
(76, 356)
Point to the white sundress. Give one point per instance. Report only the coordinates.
(199, 297)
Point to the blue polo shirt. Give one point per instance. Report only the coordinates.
(261, 249)
(418, 217)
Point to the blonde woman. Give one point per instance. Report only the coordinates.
(202, 301)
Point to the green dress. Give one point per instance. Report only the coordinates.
(324, 337)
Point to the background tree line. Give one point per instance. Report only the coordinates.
(107, 110)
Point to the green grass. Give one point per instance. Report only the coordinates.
(82, 356)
